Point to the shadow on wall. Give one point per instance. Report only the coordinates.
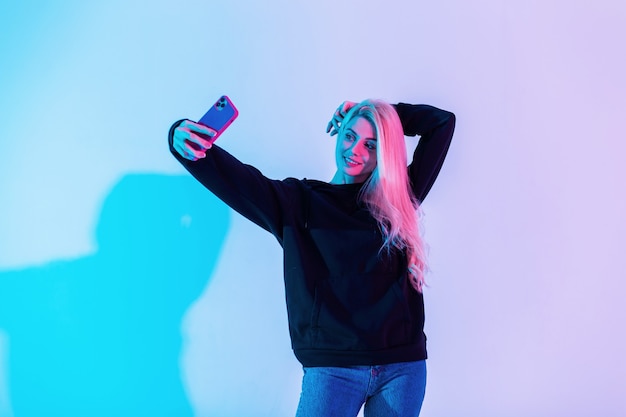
(100, 335)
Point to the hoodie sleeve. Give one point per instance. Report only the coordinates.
(435, 128)
(242, 187)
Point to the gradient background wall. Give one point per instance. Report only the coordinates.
(127, 290)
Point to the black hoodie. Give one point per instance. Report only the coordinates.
(348, 303)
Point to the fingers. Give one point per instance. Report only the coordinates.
(335, 122)
(330, 126)
(333, 125)
(338, 116)
(346, 106)
(192, 140)
(187, 151)
(343, 109)
(197, 128)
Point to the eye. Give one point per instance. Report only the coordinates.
(350, 137)
(371, 145)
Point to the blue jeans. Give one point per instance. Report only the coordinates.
(394, 390)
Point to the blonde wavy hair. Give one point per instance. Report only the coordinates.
(387, 192)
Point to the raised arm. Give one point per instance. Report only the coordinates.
(435, 128)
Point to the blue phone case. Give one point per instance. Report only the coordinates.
(220, 116)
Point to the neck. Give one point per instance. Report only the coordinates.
(340, 178)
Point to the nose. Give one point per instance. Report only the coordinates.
(357, 147)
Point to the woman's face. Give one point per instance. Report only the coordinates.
(356, 151)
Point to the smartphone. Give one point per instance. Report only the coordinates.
(219, 116)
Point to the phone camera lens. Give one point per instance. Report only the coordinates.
(221, 103)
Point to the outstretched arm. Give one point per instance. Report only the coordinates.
(242, 187)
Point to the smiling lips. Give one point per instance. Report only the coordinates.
(351, 162)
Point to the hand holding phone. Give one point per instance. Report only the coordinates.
(191, 140)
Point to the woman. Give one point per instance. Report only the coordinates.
(353, 257)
